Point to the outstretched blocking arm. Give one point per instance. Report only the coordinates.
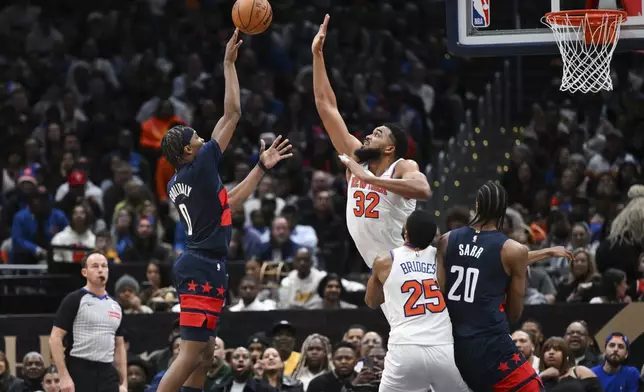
(226, 125)
(557, 251)
(277, 151)
(375, 295)
(325, 101)
(409, 182)
(515, 260)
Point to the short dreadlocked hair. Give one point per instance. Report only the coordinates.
(172, 144)
(492, 201)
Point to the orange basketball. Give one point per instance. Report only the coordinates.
(252, 16)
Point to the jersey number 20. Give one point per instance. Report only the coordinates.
(427, 288)
(471, 279)
(366, 204)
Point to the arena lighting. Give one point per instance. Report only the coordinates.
(470, 146)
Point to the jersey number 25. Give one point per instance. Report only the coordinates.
(429, 289)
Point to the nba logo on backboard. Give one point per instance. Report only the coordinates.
(481, 13)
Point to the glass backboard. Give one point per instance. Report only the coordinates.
(481, 28)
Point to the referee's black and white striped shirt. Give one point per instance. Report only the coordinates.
(91, 323)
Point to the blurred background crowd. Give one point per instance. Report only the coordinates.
(87, 90)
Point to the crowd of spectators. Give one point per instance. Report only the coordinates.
(270, 361)
(88, 88)
(88, 91)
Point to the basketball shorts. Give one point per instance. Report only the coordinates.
(411, 368)
(202, 284)
(494, 363)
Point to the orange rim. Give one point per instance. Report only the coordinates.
(576, 17)
(600, 26)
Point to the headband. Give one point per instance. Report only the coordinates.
(186, 135)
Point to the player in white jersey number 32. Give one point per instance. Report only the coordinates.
(421, 346)
(383, 186)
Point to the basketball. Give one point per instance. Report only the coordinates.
(252, 16)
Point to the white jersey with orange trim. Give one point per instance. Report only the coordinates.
(415, 308)
(375, 216)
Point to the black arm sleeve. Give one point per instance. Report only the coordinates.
(119, 330)
(67, 310)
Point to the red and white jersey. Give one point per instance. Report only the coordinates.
(375, 217)
(414, 304)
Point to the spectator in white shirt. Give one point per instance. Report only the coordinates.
(300, 286)
(248, 290)
(77, 234)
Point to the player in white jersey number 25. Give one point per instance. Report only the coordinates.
(421, 346)
(383, 186)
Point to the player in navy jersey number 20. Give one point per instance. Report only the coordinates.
(196, 190)
(482, 274)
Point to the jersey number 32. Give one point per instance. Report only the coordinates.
(366, 204)
(428, 288)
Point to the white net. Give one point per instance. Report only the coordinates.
(587, 41)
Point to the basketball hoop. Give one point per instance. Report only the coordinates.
(587, 41)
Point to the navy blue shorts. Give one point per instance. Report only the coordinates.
(202, 284)
(494, 363)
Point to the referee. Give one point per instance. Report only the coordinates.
(93, 356)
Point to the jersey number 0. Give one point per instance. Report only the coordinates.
(186, 217)
(427, 288)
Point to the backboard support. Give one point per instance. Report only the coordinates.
(489, 28)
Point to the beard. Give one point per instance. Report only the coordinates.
(614, 360)
(367, 154)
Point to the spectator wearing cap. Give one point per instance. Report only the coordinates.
(144, 245)
(127, 292)
(33, 228)
(613, 374)
(80, 186)
(280, 246)
(77, 235)
(257, 343)
(283, 334)
(300, 234)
